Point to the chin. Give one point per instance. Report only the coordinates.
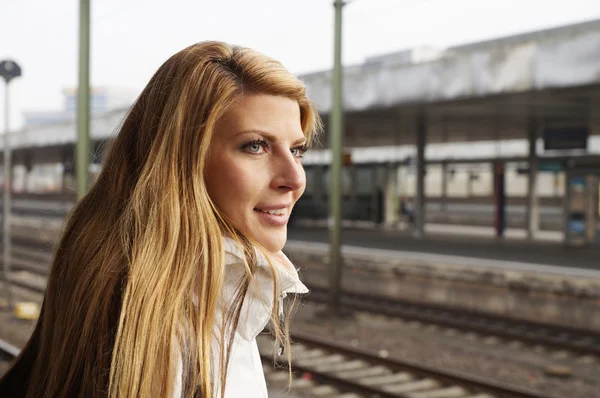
(273, 243)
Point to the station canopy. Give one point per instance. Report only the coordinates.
(483, 91)
(490, 90)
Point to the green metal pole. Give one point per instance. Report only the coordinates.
(421, 122)
(6, 207)
(335, 144)
(83, 100)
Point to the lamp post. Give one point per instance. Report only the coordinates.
(336, 122)
(83, 101)
(8, 70)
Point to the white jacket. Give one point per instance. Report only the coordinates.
(245, 376)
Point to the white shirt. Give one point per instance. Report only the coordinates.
(245, 376)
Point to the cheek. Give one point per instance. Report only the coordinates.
(231, 186)
(242, 185)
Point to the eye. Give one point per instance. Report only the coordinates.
(299, 151)
(257, 147)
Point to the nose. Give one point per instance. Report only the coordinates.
(288, 173)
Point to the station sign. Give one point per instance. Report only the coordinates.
(553, 166)
(550, 166)
(565, 138)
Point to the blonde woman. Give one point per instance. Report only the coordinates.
(171, 265)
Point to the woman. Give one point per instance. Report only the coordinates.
(171, 265)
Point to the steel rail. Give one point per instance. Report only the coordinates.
(446, 378)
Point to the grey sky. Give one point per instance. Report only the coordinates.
(130, 39)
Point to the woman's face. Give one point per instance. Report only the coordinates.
(254, 172)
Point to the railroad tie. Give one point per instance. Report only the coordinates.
(28, 279)
(447, 392)
(301, 384)
(401, 377)
(375, 371)
(307, 354)
(267, 369)
(320, 360)
(418, 385)
(299, 348)
(324, 391)
(338, 368)
(278, 376)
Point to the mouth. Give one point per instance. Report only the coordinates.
(275, 212)
(276, 217)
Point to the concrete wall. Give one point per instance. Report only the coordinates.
(532, 296)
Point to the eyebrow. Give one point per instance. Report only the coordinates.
(272, 137)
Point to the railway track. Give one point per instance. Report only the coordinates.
(354, 371)
(577, 341)
(8, 352)
(330, 362)
(30, 267)
(343, 372)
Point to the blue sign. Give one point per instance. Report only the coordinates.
(576, 227)
(550, 166)
(577, 184)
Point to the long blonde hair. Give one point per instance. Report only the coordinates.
(119, 305)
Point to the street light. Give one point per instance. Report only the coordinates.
(82, 151)
(8, 70)
(336, 123)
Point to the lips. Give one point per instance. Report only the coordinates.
(275, 212)
(277, 209)
(273, 215)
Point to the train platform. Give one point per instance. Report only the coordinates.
(456, 248)
(534, 281)
(542, 256)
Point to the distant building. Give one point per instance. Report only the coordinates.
(102, 99)
(40, 118)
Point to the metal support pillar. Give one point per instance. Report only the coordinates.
(568, 235)
(391, 196)
(318, 197)
(421, 127)
(532, 202)
(67, 177)
(444, 194)
(83, 101)
(469, 183)
(336, 128)
(353, 185)
(374, 195)
(28, 164)
(499, 190)
(25, 179)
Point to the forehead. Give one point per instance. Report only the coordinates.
(280, 116)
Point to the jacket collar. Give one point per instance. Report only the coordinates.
(258, 303)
